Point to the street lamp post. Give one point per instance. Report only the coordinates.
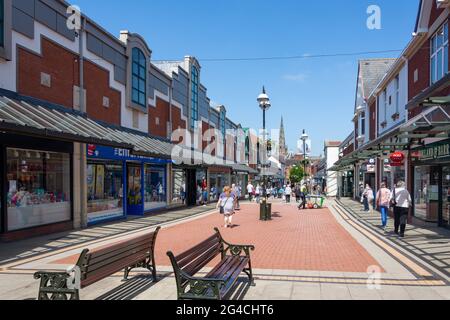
(304, 139)
(264, 104)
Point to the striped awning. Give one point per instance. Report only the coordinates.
(23, 115)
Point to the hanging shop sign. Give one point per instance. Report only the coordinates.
(387, 165)
(397, 159)
(438, 151)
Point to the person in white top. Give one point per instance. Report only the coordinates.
(288, 193)
(250, 191)
(402, 202)
(258, 193)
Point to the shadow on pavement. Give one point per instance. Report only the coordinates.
(129, 289)
(239, 290)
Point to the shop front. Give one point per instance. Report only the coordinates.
(121, 184)
(347, 184)
(36, 188)
(431, 187)
(219, 178)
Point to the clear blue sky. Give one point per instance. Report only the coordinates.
(315, 94)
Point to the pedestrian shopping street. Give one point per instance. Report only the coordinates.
(329, 253)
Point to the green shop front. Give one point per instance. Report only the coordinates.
(431, 184)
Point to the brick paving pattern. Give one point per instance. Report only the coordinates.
(294, 240)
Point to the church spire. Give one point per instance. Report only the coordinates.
(282, 140)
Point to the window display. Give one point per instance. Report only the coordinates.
(155, 188)
(446, 196)
(105, 190)
(178, 186)
(421, 183)
(218, 181)
(134, 195)
(39, 186)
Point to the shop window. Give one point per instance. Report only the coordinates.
(446, 196)
(39, 188)
(105, 191)
(139, 78)
(439, 54)
(194, 97)
(363, 123)
(155, 188)
(134, 191)
(178, 186)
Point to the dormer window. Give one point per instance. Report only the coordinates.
(194, 98)
(139, 78)
(439, 54)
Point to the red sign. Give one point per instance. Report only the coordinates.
(397, 159)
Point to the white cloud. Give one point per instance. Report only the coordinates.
(300, 77)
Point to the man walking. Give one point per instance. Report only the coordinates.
(288, 193)
(303, 194)
(402, 202)
(250, 190)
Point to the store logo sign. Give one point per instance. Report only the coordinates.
(92, 150)
(435, 152)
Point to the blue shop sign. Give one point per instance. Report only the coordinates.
(108, 153)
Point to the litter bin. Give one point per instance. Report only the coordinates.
(265, 211)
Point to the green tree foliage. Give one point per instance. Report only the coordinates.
(296, 174)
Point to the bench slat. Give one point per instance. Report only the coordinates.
(98, 254)
(117, 256)
(201, 261)
(219, 269)
(110, 269)
(233, 277)
(185, 257)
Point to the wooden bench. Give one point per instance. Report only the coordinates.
(235, 259)
(96, 265)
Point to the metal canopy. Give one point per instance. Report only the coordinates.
(23, 115)
(433, 121)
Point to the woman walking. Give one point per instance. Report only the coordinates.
(383, 200)
(367, 198)
(226, 206)
(402, 202)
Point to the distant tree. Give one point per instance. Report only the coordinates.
(296, 174)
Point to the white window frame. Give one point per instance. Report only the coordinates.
(397, 94)
(435, 51)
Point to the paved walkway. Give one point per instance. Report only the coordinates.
(292, 241)
(16, 251)
(425, 240)
(314, 254)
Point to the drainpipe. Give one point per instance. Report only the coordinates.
(83, 156)
(169, 185)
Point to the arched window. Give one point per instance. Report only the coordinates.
(139, 78)
(194, 93)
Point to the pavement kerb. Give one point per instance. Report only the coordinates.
(163, 225)
(419, 267)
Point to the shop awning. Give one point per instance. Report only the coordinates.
(432, 123)
(243, 168)
(423, 98)
(23, 115)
